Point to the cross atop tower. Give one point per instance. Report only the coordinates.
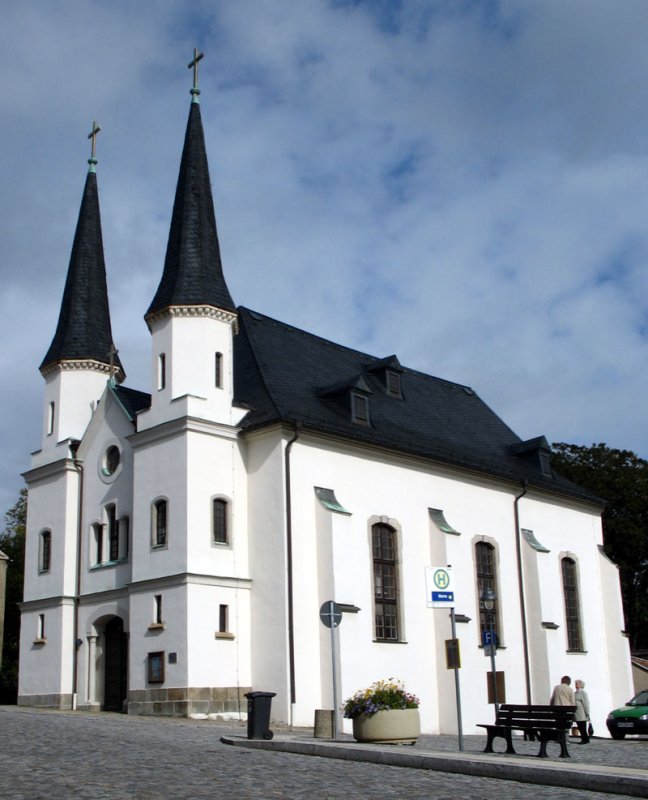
(93, 135)
(195, 91)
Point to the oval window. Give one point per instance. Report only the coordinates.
(112, 459)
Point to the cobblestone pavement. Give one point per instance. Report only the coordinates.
(63, 756)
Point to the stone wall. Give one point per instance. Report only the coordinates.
(185, 702)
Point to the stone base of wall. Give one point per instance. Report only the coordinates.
(185, 702)
(62, 702)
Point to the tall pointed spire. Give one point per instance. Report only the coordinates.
(83, 332)
(193, 273)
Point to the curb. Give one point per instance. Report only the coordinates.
(633, 782)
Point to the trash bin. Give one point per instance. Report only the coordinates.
(258, 723)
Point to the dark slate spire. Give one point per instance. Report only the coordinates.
(193, 273)
(83, 331)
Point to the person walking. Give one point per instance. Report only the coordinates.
(563, 694)
(582, 710)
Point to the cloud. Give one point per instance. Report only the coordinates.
(460, 183)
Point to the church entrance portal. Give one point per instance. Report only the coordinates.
(115, 665)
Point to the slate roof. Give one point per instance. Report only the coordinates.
(193, 273)
(132, 400)
(284, 374)
(83, 330)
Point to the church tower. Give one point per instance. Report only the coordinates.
(192, 317)
(81, 357)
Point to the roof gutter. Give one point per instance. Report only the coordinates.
(289, 571)
(518, 547)
(76, 641)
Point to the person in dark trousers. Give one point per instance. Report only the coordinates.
(582, 710)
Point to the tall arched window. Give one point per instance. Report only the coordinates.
(485, 570)
(385, 571)
(45, 551)
(572, 605)
(159, 523)
(219, 520)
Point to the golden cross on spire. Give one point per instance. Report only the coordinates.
(194, 63)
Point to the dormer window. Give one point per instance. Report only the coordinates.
(393, 383)
(359, 408)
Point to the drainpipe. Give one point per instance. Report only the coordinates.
(289, 569)
(518, 546)
(77, 590)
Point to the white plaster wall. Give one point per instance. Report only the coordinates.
(212, 661)
(75, 394)
(52, 505)
(216, 469)
(267, 543)
(160, 470)
(402, 492)
(46, 668)
(172, 638)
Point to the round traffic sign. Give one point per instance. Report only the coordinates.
(331, 614)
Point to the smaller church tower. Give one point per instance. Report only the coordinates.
(82, 356)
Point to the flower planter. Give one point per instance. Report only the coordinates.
(390, 726)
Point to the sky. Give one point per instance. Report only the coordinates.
(463, 183)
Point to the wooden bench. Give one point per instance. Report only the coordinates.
(546, 723)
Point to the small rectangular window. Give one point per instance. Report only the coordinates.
(218, 370)
(40, 628)
(161, 371)
(223, 621)
(157, 609)
(156, 667)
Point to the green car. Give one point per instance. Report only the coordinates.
(630, 718)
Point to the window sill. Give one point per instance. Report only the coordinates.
(224, 635)
(576, 652)
(40, 641)
(390, 641)
(107, 564)
(157, 626)
(159, 546)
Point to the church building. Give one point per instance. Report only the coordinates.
(182, 541)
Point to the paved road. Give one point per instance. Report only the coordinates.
(63, 756)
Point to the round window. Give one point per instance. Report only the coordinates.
(112, 459)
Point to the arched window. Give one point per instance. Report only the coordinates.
(218, 370)
(45, 554)
(219, 521)
(572, 605)
(385, 572)
(159, 523)
(113, 533)
(485, 570)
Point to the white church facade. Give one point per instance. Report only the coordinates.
(180, 542)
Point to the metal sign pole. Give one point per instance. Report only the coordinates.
(334, 670)
(457, 688)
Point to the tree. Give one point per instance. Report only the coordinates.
(620, 478)
(12, 544)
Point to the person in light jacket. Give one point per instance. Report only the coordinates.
(582, 710)
(563, 694)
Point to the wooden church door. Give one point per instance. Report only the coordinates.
(115, 665)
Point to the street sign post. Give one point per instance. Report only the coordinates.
(330, 614)
(440, 593)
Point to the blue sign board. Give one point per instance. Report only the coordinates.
(489, 638)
